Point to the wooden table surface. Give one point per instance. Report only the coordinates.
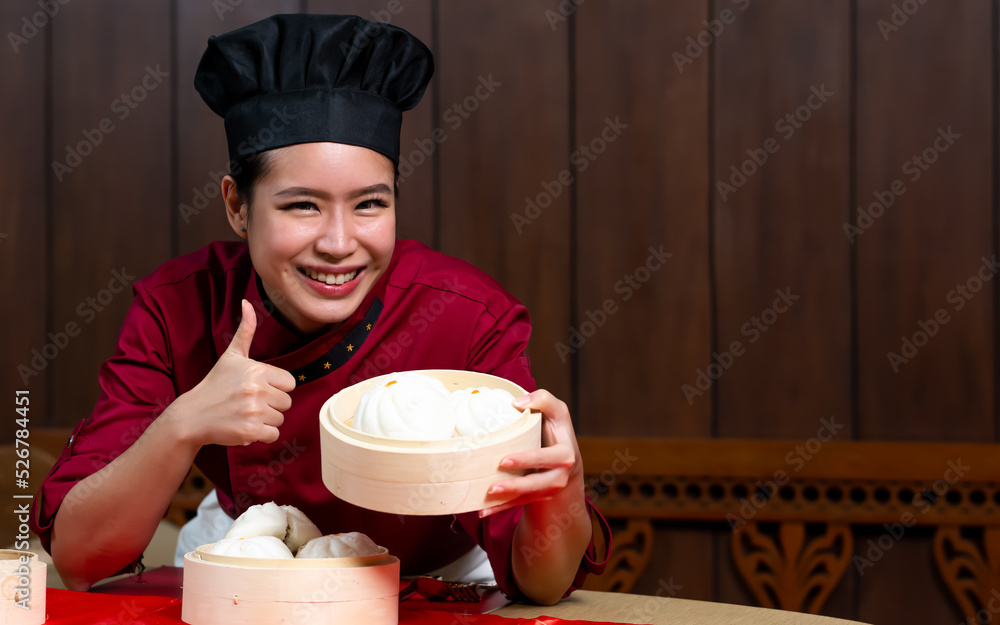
(624, 608)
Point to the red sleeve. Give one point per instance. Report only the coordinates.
(136, 385)
(499, 349)
(499, 344)
(495, 534)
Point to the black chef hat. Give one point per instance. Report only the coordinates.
(305, 78)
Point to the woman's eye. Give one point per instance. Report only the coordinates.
(372, 204)
(301, 206)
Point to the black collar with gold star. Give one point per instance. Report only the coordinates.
(342, 351)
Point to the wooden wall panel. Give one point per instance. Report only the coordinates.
(24, 264)
(779, 244)
(931, 240)
(921, 247)
(683, 553)
(111, 217)
(503, 106)
(202, 156)
(415, 210)
(903, 586)
(642, 187)
(643, 195)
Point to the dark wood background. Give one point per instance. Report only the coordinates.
(654, 185)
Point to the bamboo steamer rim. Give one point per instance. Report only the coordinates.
(13, 556)
(330, 419)
(382, 557)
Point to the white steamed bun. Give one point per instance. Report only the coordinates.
(480, 410)
(408, 406)
(300, 529)
(254, 547)
(349, 545)
(261, 520)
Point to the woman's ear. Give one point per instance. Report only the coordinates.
(236, 210)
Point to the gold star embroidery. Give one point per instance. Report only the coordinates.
(326, 365)
(369, 326)
(302, 378)
(350, 348)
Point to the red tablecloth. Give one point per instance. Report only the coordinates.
(66, 607)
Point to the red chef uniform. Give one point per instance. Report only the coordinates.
(427, 311)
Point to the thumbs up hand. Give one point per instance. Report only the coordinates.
(240, 401)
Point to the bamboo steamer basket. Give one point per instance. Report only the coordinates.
(12, 585)
(262, 591)
(420, 477)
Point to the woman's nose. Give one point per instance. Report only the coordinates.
(337, 239)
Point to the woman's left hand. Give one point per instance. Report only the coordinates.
(553, 468)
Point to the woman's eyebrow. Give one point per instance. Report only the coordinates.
(323, 195)
(298, 191)
(375, 188)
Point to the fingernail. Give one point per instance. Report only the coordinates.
(522, 401)
(506, 463)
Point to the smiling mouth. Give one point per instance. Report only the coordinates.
(329, 278)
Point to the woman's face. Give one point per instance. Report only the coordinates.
(322, 230)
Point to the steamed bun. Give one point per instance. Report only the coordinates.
(349, 545)
(255, 547)
(418, 407)
(300, 529)
(407, 406)
(261, 520)
(481, 410)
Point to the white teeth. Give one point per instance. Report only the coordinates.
(331, 278)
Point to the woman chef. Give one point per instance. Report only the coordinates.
(227, 354)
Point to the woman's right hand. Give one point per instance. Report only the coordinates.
(240, 401)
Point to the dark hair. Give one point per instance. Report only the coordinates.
(248, 171)
(246, 174)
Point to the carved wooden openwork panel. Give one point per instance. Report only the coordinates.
(971, 570)
(745, 483)
(790, 570)
(629, 556)
(739, 500)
